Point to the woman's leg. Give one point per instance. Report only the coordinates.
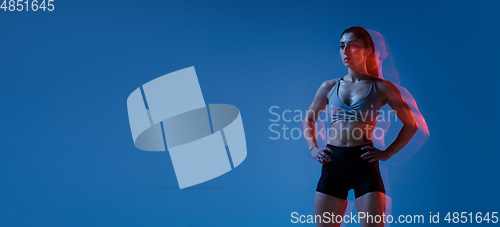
(371, 203)
(327, 203)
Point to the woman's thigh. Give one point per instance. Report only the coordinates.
(326, 203)
(373, 204)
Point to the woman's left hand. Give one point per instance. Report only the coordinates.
(375, 154)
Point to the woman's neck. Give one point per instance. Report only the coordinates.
(354, 75)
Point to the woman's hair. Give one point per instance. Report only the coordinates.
(362, 34)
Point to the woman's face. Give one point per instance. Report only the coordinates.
(352, 51)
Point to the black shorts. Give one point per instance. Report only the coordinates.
(347, 171)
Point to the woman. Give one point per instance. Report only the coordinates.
(350, 161)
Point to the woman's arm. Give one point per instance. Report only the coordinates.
(393, 97)
(317, 106)
(422, 135)
(423, 130)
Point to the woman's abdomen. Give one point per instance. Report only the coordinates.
(350, 133)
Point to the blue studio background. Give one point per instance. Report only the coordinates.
(67, 157)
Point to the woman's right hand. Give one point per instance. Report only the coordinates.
(320, 154)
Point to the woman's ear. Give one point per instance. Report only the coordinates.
(367, 51)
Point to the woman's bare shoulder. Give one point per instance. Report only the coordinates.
(386, 89)
(327, 86)
(383, 84)
(330, 83)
